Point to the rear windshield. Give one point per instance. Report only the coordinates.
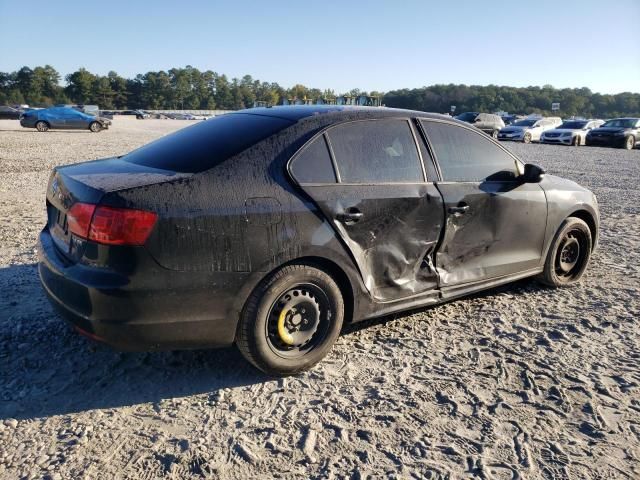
(203, 146)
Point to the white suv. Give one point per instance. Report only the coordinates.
(529, 129)
(572, 132)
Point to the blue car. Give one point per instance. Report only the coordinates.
(62, 118)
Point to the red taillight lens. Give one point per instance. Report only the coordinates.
(112, 226)
(79, 219)
(121, 226)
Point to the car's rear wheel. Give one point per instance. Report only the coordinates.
(42, 126)
(526, 138)
(569, 254)
(629, 142)
(291, 320)
(95, 127)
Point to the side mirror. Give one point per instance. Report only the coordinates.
(532, 173)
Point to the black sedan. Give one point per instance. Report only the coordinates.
(272, 227)
(619, 132)
(9, 113)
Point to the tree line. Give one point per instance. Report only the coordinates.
(192, 89)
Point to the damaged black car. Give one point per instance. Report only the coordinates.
(272, 228)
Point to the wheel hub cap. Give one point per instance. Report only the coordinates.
(569, 254)
(299, 318)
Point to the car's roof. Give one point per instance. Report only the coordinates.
(296, 113)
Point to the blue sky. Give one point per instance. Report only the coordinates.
(371, 45)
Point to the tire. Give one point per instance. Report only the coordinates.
(271, 333)
(568, 255)
(576, 141)
(629, 143)
(42, 126)
(526, 138)
(494, 134)
(95, 127)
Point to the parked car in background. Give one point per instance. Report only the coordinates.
(509, 119)
(9, 113)
(572, 132)
(529, 129)
(62, 118)
(139, 114)
(618, 132)
(487, 122)
(406, 209)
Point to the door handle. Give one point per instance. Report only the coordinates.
(351, 216)
(459, 210)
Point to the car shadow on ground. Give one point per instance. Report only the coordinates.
(47, 369)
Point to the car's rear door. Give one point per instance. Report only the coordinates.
(495, 223)
(373, 191)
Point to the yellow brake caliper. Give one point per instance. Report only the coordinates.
(285, 336)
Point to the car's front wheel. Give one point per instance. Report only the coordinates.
(527, 138)
(629, 142)
(95, 127)
(494, 134)
(42, 126)
(569, 254)
(576, 141)
(291, 320)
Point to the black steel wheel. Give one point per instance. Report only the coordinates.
(569, 254)
(42, 126)
(291, 320)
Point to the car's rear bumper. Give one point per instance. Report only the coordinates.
(167, 313)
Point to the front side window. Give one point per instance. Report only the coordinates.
(313, 164)
(376, 151)
(467, 156)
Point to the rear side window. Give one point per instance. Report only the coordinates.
(376, 151)
(467, 156)
(313, 164)
(210, 142)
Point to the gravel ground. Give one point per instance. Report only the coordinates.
(518, 382)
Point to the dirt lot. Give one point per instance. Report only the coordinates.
(519, 382)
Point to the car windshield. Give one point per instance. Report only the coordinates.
(524, 123)
(573, 125)
(621, 122)
(200, 147)
(467, 116)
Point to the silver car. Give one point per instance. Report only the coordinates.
(572, 132)
(529, 129)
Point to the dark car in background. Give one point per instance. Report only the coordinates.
(10, 113)
(62, 118)
(487, 122)
(271, 227)
(618, 132)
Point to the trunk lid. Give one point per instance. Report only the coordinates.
(88, 182)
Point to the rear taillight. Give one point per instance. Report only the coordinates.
(79, 219)
(109, 225)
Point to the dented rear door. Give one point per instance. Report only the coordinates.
(372, 190)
